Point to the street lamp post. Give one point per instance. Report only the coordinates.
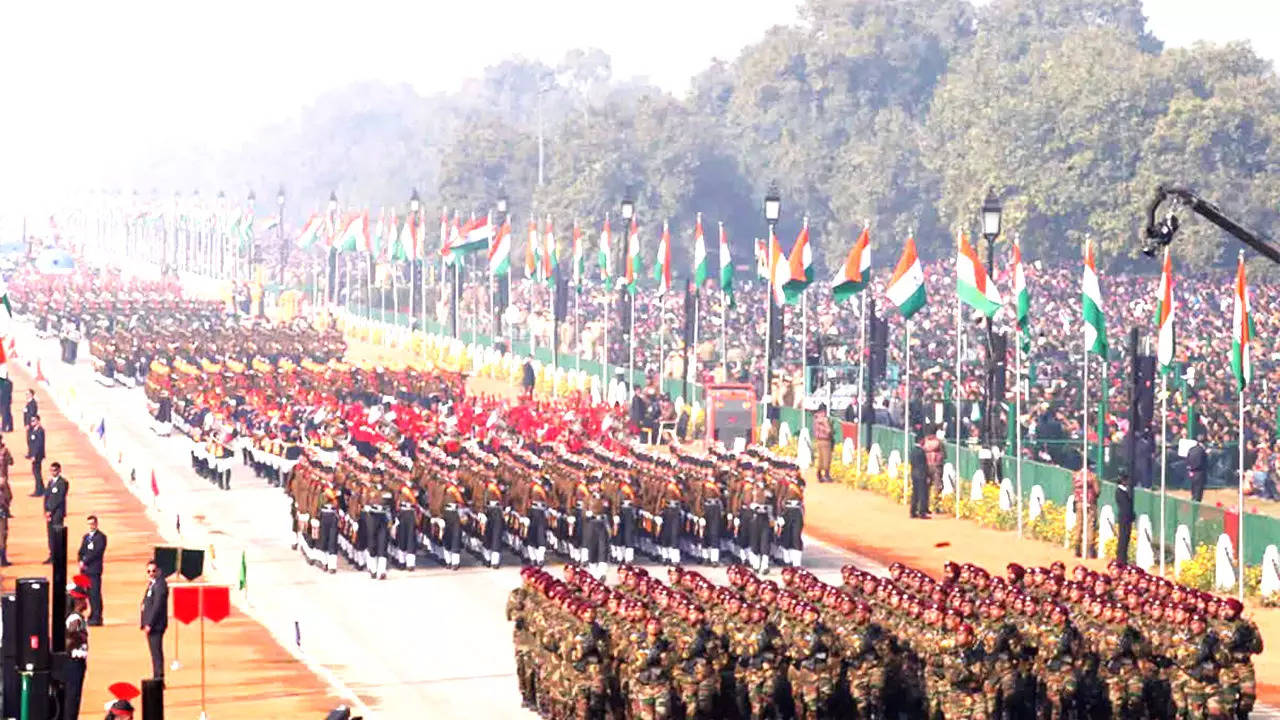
(772, 211)
(991, 212)
(628, 217)
(219, 244)
(503, 291)
(284, 246)
(332, 265)
(414, 206)
(252, 200)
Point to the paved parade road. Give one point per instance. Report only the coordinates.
(432, 638)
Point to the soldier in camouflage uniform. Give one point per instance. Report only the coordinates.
(1238, 641)
(962, 661)
(650, 681)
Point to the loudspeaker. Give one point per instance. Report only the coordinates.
(190, 563)
(561, 299)
(776, 340)
(152, 699)
(166, 559)
(8, 628)
(33, 624)
(878, 362)
(1146, 390)
(10, 685)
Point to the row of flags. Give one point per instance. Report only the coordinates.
(789, 274)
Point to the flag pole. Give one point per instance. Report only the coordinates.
(1017, 421)
(861, 396)
(724, 335)
(955, 392)
(1164, 460)
(804, 359)
(691, 371)
(1240, 491)
(1083, 510)
(607, 283)
(906, 409)
(631, 343)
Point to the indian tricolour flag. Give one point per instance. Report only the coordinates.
(500, 251)
(1242, 334)
(312, 231)
(474, 236)
(1164, 316)
(726, 267)
(1021, 296)
(1095, 325)
(633, 257)
(531, 251)
(779, 269)
(906, 288)
(856, 271)
(605, 257)
(409, 236)
(355, 234)
(579, 256)
(550, 253)
(975, 288)
(662, 261)
(800, 264)
(699, 254)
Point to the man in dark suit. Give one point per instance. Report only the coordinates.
(1124, 516)
(93, 546)
(1197, 468)
(35, 451)
(919, 479)
(55, 505)
(6, 402)
(29, 411)
(155, 617)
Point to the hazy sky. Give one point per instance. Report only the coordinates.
(89, 83)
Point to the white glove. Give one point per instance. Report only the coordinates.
(782, 522)
(736, 523)
(617, 519)
(702, 522)
(657, 520)
(524, 521)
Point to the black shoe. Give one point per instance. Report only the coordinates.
(37, 494)
(47, 561)
(95, 623)
(5, 563)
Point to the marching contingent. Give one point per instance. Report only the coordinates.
(1033, 643)
(385, 466)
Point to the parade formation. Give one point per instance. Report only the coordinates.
(386, 467)
(1033, 643)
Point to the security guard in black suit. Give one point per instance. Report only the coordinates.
(35, 451)
(93, 546)
(55, 505)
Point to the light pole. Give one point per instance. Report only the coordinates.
(331, 269)
(284, 246)
(252, 199)
(628, 217)
(503, 288)
(414, 279)
(991, 212)
(772, 211)
(220, 242)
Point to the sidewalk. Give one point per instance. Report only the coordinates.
(248, 675)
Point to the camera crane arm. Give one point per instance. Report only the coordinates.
(1159, 232)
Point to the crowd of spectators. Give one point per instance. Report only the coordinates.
(1202, 400)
